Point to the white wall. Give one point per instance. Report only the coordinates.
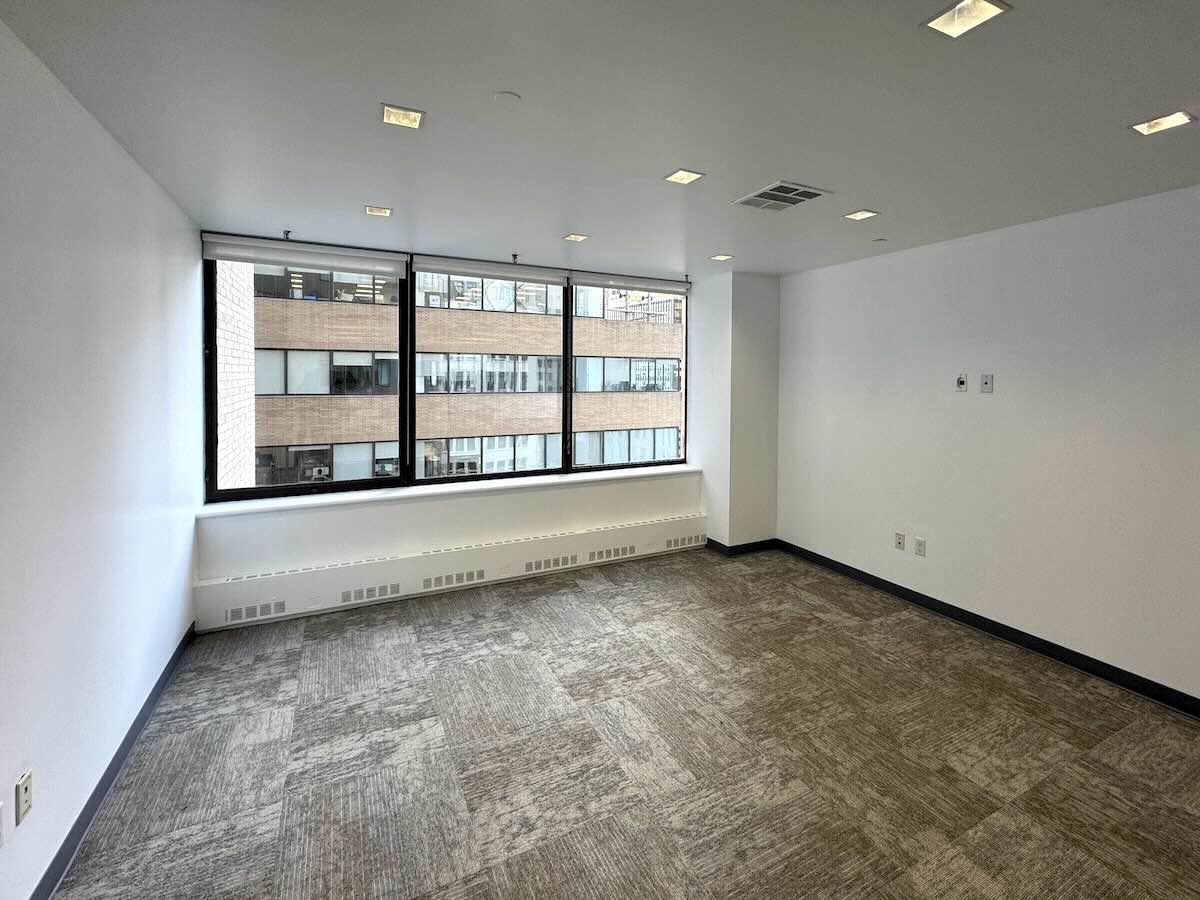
(710, 347)
(754, 407)
(101, 467)
(1066, 504)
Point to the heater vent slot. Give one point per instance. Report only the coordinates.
(255, 611)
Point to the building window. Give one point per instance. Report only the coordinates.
(308, 372)
(353, 372)
(616, 373)
(269, 372)
(589, 449)
(387, 459)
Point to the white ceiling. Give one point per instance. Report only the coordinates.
(260, 115)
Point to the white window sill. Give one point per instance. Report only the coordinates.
(418, 492)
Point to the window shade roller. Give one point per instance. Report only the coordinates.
(629, 283)
(297, 255)
(499, 271)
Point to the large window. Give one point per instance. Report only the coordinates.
(331, 368)
(628, 401)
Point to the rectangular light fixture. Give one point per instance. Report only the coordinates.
(683, 176)
(861, 214)
(576, 238)
(398, 115)
(1174, 120)
(721, 257)
(377, 211)
(962, 17)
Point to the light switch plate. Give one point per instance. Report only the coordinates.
(919, 546)
(24, 796)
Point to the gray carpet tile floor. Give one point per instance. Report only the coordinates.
(686, 726)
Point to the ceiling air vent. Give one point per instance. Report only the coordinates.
(781, 195)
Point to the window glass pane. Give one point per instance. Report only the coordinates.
(616, 374)
(431, 459)
(641, 445)
(554, 295)
(432, 289)
(352, 461)
(666, 443)
(589, 373)
(387, 373)
(642, 339)
(308, 371)
(464, 456)
(498, 295)
(589, 302)
(667, 374)
(531, 452)
(464, 373)
(498, 373)
(283, 346)
(554, 451)
(387, 459)
(353, 373)
(489, 375)
(641, 375)
(466, 292)
(498, 454)
(531, 298)
(588, 448)
(616, 447)
(432, 372)
(268, 371)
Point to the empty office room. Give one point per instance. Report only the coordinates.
(548, 450)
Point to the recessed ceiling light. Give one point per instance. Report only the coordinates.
(721, 257)
(576, 238)
(861, 214)
(684, 176)
(377, 211)
(1174, 120)
(405, 118)
(962, 17)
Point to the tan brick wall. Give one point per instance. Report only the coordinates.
(475, 331)
(600, 337)
(608, 411)
(333, 419)
(317, 325)
(470, 415)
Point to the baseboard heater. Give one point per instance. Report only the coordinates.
(238, 600)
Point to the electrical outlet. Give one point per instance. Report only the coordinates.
(986, 384)
(24, 799)
(919, 546)
(899, 541)
(960, 383)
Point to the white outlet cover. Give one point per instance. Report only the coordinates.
(962, 382)
(24, 796)
(919, 546)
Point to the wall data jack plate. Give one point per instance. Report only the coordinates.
(24, 798)
(898, 540)
(960, 383)
(986, 383)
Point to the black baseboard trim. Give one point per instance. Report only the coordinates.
(739, 549)
(1122, 678)
(66, 852)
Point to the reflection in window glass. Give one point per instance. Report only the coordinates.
(498, 454)
(531, 452)
(589, 302)
(616, 447)
(431, 459)
(616, 374)
(498, 373)
(466, 292)
(432, 373)
(464, 373)
(641, 377)
(588, 448)
(432, 290)
(308, 371)
(531, 298)
(268, 371)
(464, 456)
(641, 445)
(666, 443)
(498, 295)
(539, 374)
(351, 461)
(589, 373)
(387, 459)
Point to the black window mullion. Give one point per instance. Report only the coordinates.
(567, 448)
(407, 425)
